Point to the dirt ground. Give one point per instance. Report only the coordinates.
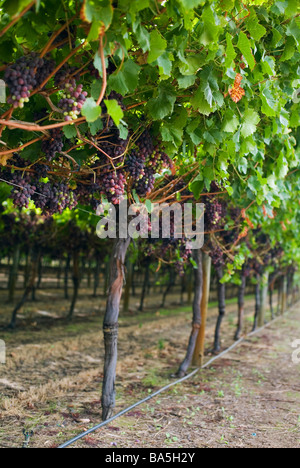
(51, 382)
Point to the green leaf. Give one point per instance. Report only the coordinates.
(211, 30)
(243, 165)
(165, 65)
(268, 65)
(230, 51)
(96, 89)
(256, 30)
(143, 37)
(95, 31)
(230, 122)
(190, 4)
(186, 81)
(123, 131)
(172, 134)
(158, 46)
(149, 206)
(293, 30)
(200, 104)
(69, 131)
(98, 10)
(126, 80)
(197, 186)
(90, 110)
(250, 121)
(12, 7)
(162, 105)
(289, 50)
(114, 110)
(245, 47)
(96, 126)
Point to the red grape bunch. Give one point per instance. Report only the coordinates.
(73, 96)
(26, 74)
(112, 185)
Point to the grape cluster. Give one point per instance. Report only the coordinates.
(214, 214)
(145, 144)
(53, 145)
(185, 253)
(22, 191)
(85, 194)
(54, 198)
(135, 164)
(246, 270)
(72, 101)
(112, 185)
(145, 185)
(217, 256)
(73, 96)
(41, 171)
(159, 161)
(27, 73)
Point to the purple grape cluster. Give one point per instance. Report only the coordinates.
(145, 144)
(24, 75)
(159, 161)
(53, 145)
(112, 185)
(214, 214)
(185, 253)
(23, 191)
(72, 101)
(135, 164)
(217, 256)
(85, 194)
(41, 171)
(145, 185)
(54, 198)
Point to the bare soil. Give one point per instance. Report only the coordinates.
(51, 382)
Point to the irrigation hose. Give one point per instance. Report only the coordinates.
(153, 395)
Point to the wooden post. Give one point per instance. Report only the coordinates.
(284, 295)
(13, 277)
(199, 348)
(264, 298)
(198, 290)
(110, 324)
(241, 307)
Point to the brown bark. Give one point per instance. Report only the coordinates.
(198, 288)
(110, 325)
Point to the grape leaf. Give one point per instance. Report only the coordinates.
(230, 51)
(114, 110)
(158, 46)
(126, 80)
(90, 110)
(97, 10)
(69, 131)
(190, 4)
(250, 121)
(245, 47)
(162, 105)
